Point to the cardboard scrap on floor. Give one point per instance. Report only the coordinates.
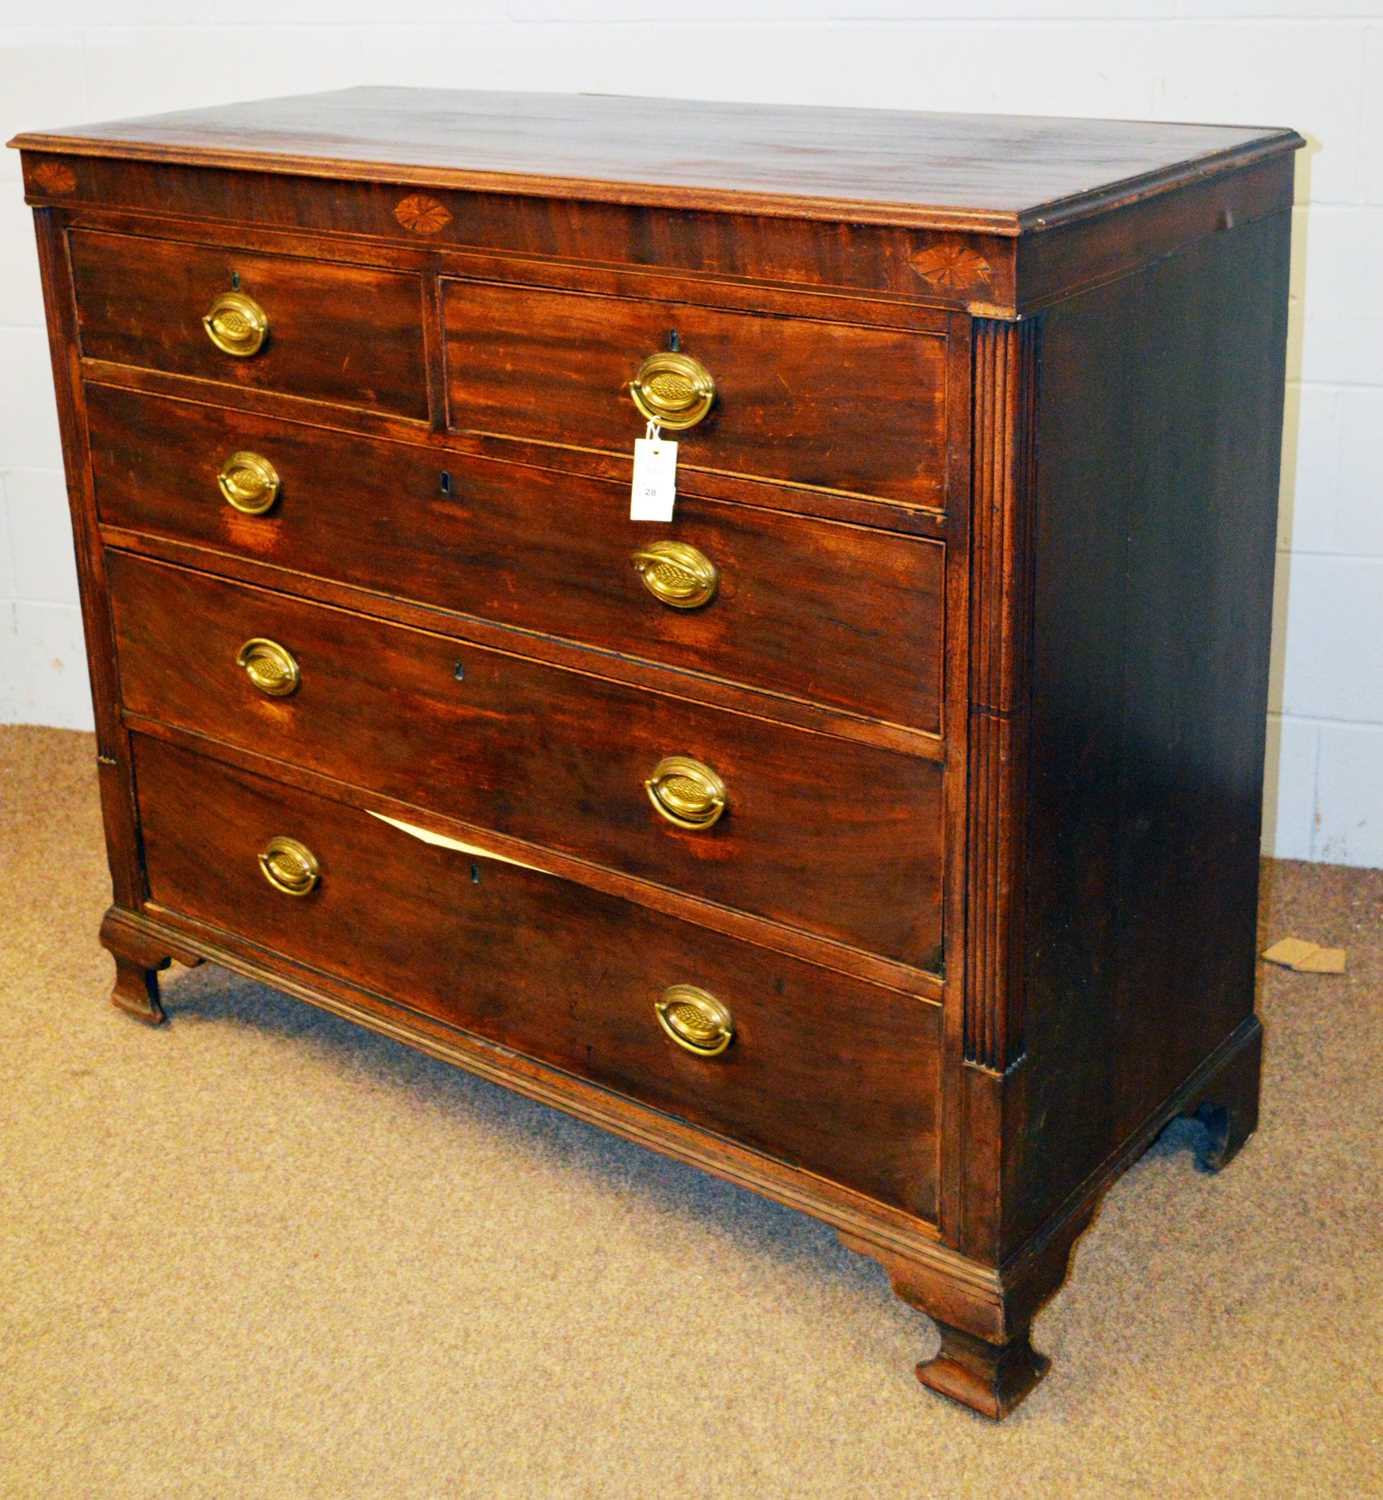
(1306, 958)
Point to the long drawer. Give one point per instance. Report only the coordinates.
(340, 333)
(819, 1070)
(819, 832)
(837, 614)
(810, 401)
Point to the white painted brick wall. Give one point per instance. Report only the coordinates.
(1313, 64)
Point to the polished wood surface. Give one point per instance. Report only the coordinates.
(1002, 171)
(990, 485)
(1148, 685)
(556, 758)
(802, 607)
(836, 1076)
(336, 333)
(832, 405)
(978, 270)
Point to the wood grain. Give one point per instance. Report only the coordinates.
(793, 941)
(1159, 456)
(824, 612)
(832, 1075)
(1001, 172)
(119, 813)
(861, 410)
(806, 254)
(336, 332)
(558, 758)
(1005, 357)
(883, 515)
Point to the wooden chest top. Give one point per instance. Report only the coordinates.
(1003, 173)
(927, 206)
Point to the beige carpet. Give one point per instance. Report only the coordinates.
(262, 1253)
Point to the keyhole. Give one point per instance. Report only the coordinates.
(459, 671)
(674, 340)
(475, 874)
(446, 483)
(235, 281)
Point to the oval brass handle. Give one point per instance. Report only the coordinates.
(236, 324)
(686, 792)
(249, 482)
(271, 667)
(673, 390)
(289, 866)
(677, 574)
(695, 1020)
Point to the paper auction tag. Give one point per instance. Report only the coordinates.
(654, 490)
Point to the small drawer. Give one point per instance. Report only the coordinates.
(836, 406)
(332, 332)
(801, 1063)
(822, 833)
(836, 614)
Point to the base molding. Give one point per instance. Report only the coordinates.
(140, 956)
(986, 1360)
(984, 1312)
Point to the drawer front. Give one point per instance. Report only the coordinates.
(816, 609)
(348, 334)
(824, 1072)
(831, 405)
(822, 833)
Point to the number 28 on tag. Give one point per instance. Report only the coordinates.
(654, 491)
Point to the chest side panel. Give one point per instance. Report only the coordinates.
(1159, 412)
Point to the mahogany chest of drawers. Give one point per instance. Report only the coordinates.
(880, 832)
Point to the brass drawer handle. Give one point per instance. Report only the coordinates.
(695, 1020)
(236, 324)
(677, 574)
(289, 866)
(271, 667)
(673, 390)
(249, 482)
(686, 792)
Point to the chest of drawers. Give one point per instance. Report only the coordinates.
(881, 831)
